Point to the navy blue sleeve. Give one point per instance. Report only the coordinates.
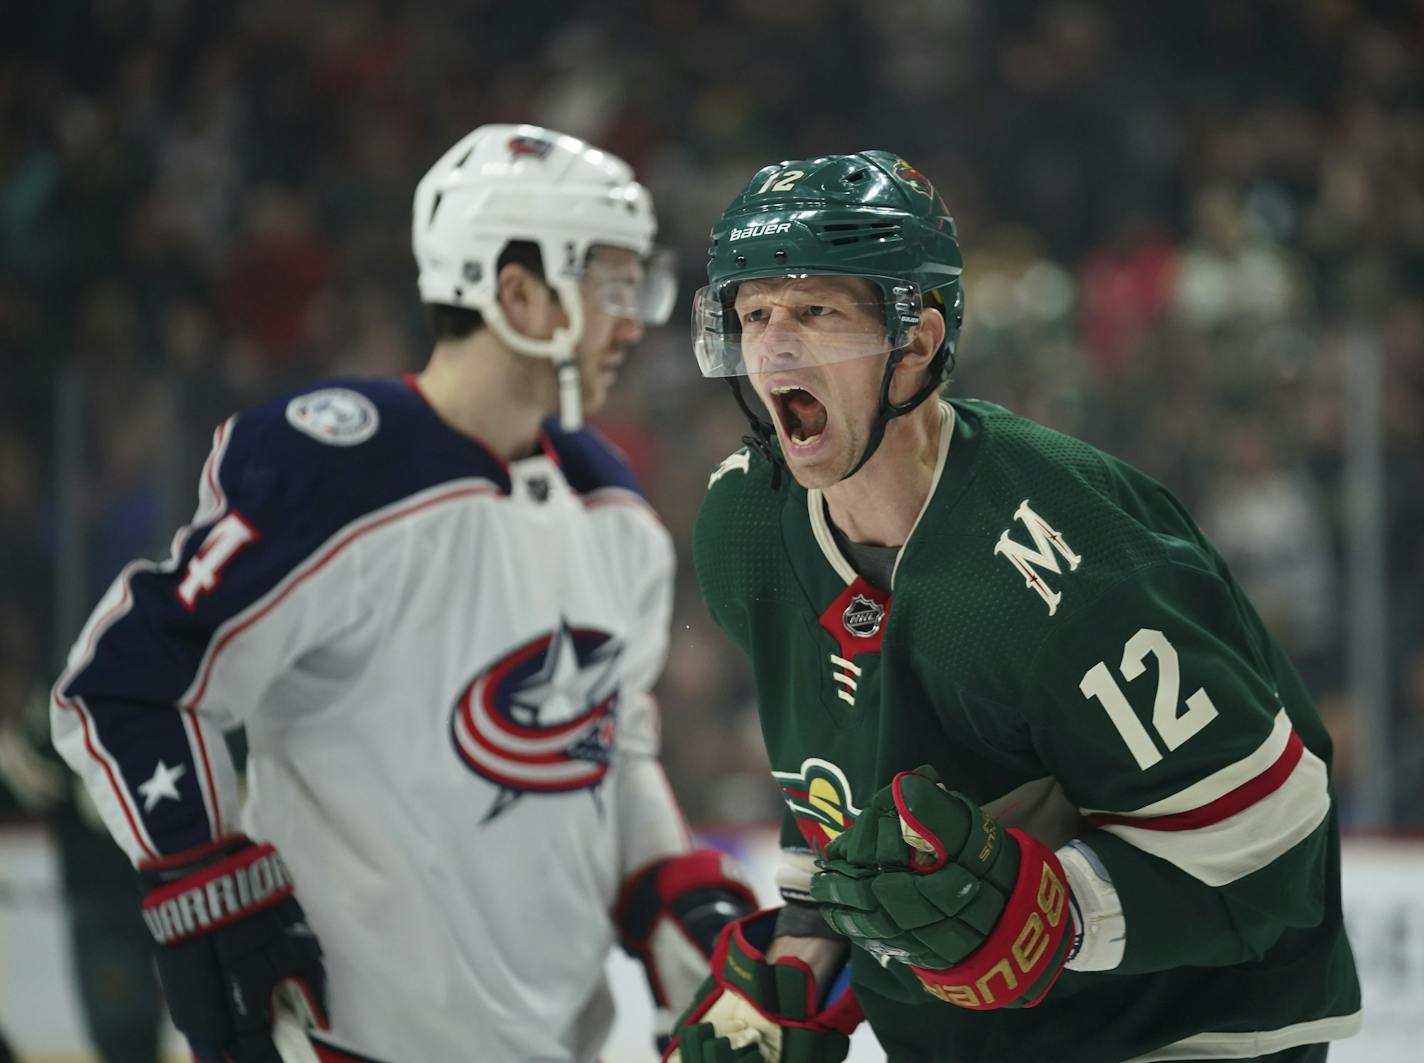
(283, 480)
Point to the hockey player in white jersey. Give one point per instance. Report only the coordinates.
(438, 611)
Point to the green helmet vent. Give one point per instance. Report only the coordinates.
(841, 233)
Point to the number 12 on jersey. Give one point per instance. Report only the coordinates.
(1172, 726)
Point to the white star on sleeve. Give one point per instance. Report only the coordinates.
(163, 783)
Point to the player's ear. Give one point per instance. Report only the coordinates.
(528, 304)
(924, 342)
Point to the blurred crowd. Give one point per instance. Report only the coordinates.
(1192, 233)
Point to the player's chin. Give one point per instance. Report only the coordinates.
(815, 462)
(594, 393)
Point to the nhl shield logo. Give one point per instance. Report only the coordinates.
(856, 618)
(863, 616)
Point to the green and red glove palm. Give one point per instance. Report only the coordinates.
(925, 877)
(756, 1010)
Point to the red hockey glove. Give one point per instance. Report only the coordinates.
(669, 915)
(925, 877)
(234, 944)
(755, 1009)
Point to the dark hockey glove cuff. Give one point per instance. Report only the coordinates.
(669, 915)
(197, 898)
(234, 945)
(1024, 954)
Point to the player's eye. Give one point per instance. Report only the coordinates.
(758, 315)
(817, 311)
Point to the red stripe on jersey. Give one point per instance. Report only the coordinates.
(210, 473)
(619, 496)
(207, 772)
(76, 705)
(556, 786)
(485, 688)
(210, 468)
(587, 722)
(338, 547)
(1225, 806)
(413, 382)
(327, 1054)
(108, 771)
(547, 445)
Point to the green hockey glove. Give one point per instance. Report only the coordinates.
(925, 877)
(701, 1044)
(754, 1009)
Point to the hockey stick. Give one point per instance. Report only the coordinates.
(289, 1028)
(290, 1037)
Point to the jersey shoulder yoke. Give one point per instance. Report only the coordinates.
(341, 450)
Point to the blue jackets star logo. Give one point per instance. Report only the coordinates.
(542, 718)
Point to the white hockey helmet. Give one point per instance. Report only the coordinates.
(502, 183)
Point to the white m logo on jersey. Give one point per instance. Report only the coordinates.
(1028, 560)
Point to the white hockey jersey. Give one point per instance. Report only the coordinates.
(442, 664)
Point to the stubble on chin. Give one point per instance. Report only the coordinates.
(811, 476)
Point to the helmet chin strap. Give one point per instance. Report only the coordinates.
(558, 348)
(890, 410)
(570, 395)
(763, 437)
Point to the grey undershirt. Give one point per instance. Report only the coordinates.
(874, 564)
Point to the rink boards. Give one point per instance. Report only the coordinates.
(1384, 899)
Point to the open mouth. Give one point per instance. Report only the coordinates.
(803, 417)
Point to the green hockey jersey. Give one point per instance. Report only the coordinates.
(1055, 614)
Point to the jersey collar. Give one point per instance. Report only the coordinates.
(821, 526)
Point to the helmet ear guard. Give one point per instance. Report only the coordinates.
(942, 366)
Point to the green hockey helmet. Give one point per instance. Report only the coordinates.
(869, 215)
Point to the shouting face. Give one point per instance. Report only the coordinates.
(815, 351)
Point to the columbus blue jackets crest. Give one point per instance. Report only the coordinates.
(543, 717)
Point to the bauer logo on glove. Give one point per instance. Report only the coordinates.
(926, 878)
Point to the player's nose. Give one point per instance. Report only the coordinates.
(781, 341)
(628, 331)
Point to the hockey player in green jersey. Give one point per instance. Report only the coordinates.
(1053, 792)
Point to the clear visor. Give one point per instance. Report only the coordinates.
(774, 323)
(644, 290)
